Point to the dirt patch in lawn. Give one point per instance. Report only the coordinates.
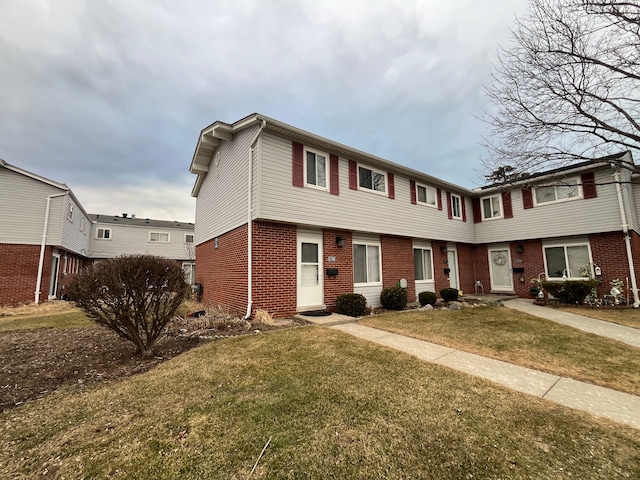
(36, 362)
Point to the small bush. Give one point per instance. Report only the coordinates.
(352, 304)
(449, 294)
(427, 298)
(393, 298)
(570, 291)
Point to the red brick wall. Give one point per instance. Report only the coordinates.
(466, 267)
(19, 273)
(532, 261)
(275, 268)
(397, 263)
(223, 271)
(440, 278)
(343, 282)
(609, 252)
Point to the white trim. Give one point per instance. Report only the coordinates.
(460, 200)
(562, 200)
(373, 170)
(326, 168)
(507, 261)
(104, 229)
(368, 243)
(427, 188)
(168, 240)
(192, 238)
(568, 243)
(501, 208)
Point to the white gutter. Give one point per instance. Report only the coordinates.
(43, 245)
(627, 240)
(252, 146)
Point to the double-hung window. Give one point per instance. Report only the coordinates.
(426, 195)
(366, 263)
(491, 207)
(423, 264)
(370, 179)
(188, 238)
(567, 190)
(161, 237)
(456, 206)
(316, 169)
(567, 261)
(103, 233)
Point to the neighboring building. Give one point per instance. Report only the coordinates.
(46, 236)
(327, 219)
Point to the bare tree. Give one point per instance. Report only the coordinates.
(135, 296)
(569, 88)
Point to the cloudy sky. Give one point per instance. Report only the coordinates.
(109, 96)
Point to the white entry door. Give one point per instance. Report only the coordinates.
(452, 265)
(310, 273)
(500, 269)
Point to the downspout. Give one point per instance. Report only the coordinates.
(627, 239)
(43, 245)
(252, 147)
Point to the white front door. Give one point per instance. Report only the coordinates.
(310, 274)
(55, 270)
(500, 269)
(452, 265)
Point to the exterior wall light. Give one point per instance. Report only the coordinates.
(340, 241)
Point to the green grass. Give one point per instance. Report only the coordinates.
(334, 407)
(629, 317)
(70, 319)
(522, 339)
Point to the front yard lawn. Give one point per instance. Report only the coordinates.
(332, 406)
(522, 339)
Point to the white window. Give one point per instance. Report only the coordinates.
(162, 237)
(189, 270)
(491, 207)
(423, 264)
(316, 169)
(188, 238)
(367, 267)
(370, 179)
(426, 195)
(70, 211)
(456, 206)
(568, 261)
(566, 190)
(103, 233)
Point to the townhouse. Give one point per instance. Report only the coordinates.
(287, 220)
(46, 237)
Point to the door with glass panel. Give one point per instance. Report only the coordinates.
(310, 274)
(500, 268)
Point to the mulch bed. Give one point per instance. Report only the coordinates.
(36, 362)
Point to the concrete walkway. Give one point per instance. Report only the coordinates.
(628, 335)
(599, 401)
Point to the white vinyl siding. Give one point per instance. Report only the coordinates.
(560, 219)
(352, 210)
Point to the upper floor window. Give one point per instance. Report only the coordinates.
(566, 190)
(70, 211)
(491, 207)
(366, 263)
(567, 261)
(316, 169)
(188, 238)
(456, 206)
(370, 179)
(158, 237)
(422, 264)
(103, 233)
(426, 195)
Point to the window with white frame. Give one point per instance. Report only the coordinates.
(161, 237)
(188, 238)
(103, 233)
(567, 261)
(426, 195)
(491, 207)
(566, 190)
(370, 179)
(423, 264)
(316, 169)
(189, 269)
(456, 206)
(70, 211)
(366, 263)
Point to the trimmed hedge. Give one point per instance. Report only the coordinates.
(570, 291)
(352, 304)
(429, 298)
(393, 298)
(449, 294)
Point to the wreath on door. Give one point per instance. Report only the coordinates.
(499, 259)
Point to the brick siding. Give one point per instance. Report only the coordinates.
(19, 273)
(343, 282)
(397, 263)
